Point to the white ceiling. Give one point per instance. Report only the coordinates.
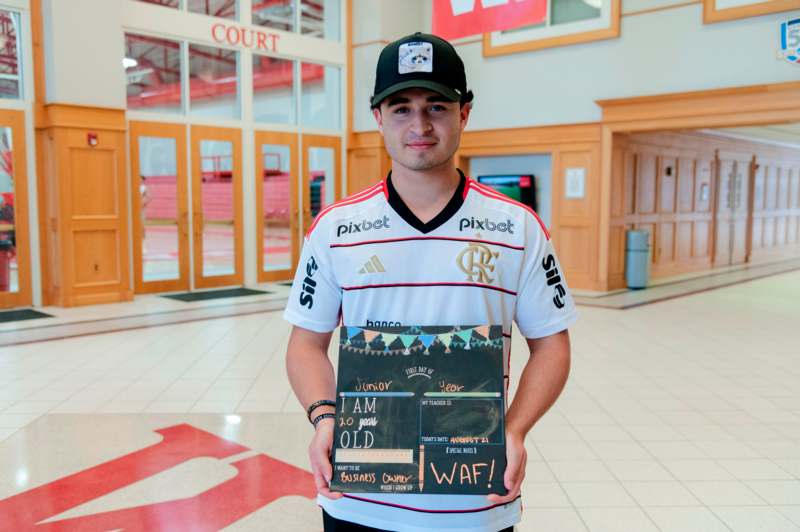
(781, 134)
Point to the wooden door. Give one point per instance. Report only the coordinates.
(277, 226)
(321, 183)
(217, 206)
(15, 259)
(159, 185)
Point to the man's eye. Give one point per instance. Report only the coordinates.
(438, 108)
(400, 110)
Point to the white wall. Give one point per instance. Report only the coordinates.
(539, 165)
(83, 48)
(660, 52)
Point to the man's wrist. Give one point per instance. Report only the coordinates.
(515, 432)
(325, 421)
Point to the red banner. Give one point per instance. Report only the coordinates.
(453, 19)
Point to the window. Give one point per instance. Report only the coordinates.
(273, 90)
(321, 96)
(315, 18)
(214, 8)
(320, 18)
(166, 3)
(278, 14)
(153, 73)
(213, 82)
(567, 22)
(10, 79)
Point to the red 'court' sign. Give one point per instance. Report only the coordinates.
(453, 19)
(260, 480)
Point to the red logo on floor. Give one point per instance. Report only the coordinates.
(260, 480)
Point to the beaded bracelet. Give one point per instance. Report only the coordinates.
(327, 415)
(314, 406)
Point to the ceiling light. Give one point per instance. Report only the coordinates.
(129, 62)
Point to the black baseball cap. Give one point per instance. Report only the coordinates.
(423, 61)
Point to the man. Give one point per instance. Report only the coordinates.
(427, 246)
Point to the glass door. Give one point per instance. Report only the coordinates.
(160, 207)
(15, 261)
(276, 205)
(321, 180)
(217, 206)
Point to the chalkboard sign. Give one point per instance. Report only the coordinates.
(420, 410)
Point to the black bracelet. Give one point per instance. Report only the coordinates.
(314, 406)
(327, 415)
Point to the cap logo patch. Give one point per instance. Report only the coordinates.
(415, 57)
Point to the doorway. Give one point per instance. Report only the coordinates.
(321, 181)
(15, 261)
(164, 253)
(278, 241)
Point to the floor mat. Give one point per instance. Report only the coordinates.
(22, 314)
(190, 297)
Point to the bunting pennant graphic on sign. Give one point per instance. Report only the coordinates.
(369, 336)
(453, 19)
(413, 339)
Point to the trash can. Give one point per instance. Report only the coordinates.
(6, 254)
(637, 258)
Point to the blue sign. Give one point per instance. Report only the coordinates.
(790, 40)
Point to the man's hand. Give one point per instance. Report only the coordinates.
(516, 459)
(319, 453)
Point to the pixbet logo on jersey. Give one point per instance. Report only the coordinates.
(307, 293)
(366, 225)
(486, 225)
(553, 278)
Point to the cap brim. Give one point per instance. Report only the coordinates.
(445, 91)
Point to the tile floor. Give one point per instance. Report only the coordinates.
(678, 416)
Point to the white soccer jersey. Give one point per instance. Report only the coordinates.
(485, 259)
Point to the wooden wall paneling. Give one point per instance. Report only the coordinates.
(667, 184)
(617, 254)
(683, 243)
(794, 204)
(646, 182)
(631, 179)
(740, 212)
(701, 243)
(687, 170)
(666, 243)
(365, 168)
(618, 193)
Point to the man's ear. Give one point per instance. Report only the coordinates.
(465, 110)
(378, 118)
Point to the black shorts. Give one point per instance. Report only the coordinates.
(337, 525)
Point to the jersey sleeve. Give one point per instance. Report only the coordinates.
(316, 297)
(544, 304)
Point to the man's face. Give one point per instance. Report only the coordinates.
(421, 128)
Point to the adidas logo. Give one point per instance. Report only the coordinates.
(373, 265)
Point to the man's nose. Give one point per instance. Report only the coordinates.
(421, 124)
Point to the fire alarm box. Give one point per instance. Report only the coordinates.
(91, 139)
